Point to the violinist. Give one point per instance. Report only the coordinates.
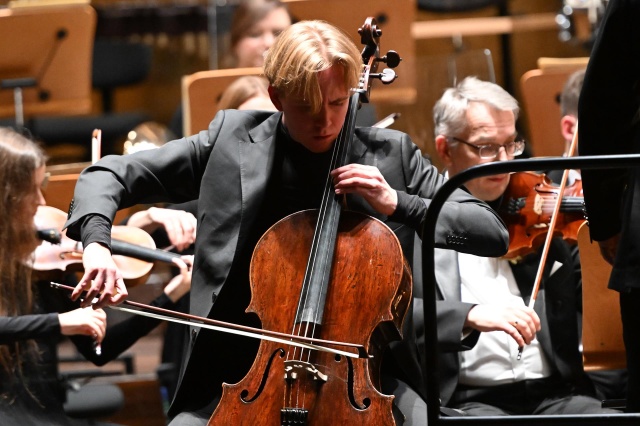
(252, 168)
(33, 316)
(486, 298)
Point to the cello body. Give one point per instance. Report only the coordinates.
(366, 303)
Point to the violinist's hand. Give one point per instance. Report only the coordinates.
(101, 278)
(84, 321)
(521, 323)
(368, 182)
(179, 224)
(180, 284)
(609, 248)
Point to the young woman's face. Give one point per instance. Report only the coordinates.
(251, 48)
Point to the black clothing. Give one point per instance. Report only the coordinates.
(233, 169)
(38, 394)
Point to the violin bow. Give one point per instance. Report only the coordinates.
(552, 226)
(96, 144)
(226, 327)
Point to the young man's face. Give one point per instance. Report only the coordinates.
(486, 126)
(316, 132)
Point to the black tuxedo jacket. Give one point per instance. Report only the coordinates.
(227, 168)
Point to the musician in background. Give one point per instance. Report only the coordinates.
(33, 316)
(475, 124)
(608, 116)
(254, 28)
(252, 168)
(569, 108)
(249, 92)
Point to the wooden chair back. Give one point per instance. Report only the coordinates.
(602, 345)
(541, 89)
(201, 92)
(53, 45)
(394, 19)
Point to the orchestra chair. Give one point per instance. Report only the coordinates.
(201, 92)
(49, 49)
(115, 64)
(541, 89)
(603, 348)
(394, 19)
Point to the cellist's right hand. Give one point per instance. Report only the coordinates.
(101, 278)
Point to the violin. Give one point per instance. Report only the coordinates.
(134, 250)
(527, 206)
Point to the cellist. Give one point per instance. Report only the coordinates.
(475, 123)
(252, 168)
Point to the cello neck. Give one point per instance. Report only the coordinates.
(316, 278)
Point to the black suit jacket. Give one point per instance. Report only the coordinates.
(608, 124)
(557, 306)
(227, 168)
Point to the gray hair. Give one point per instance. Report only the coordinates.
(449, 112)
(571, 93)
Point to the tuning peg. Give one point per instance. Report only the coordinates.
(392, 59)
(386, 76)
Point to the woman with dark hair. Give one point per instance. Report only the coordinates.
(33, 316)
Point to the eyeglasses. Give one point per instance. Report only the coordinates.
(491, 150)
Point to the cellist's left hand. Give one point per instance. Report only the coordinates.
(368, 182)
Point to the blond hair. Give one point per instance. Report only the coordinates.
(305, 49)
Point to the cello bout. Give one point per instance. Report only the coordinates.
(366, 303)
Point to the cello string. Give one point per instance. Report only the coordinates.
(303, 303)
(340, 158)
(324, 213)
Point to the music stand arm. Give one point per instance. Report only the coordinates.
(17, 84)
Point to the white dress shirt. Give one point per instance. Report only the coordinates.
(493, 361)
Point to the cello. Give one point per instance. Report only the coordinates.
(327, 274)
